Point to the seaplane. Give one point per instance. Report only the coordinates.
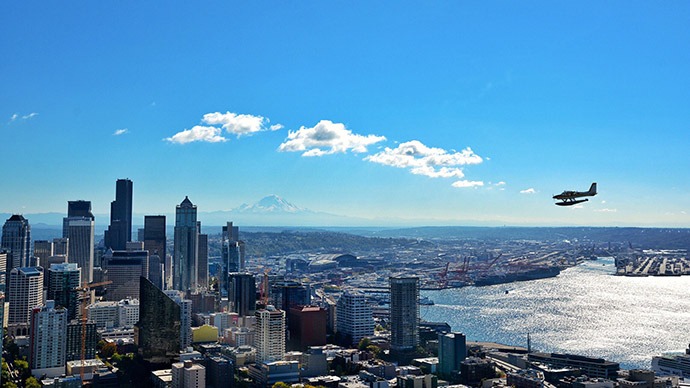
(569, 198)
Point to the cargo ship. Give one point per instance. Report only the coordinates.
(530, 274)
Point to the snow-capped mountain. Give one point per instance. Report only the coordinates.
(271, 204)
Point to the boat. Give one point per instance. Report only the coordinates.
(425, 301)
(530, 274)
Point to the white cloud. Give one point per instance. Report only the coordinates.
(119, 132)
(465, 183)
(528, 191)
(327, 137)
(607, 210)
(427, 161)
(198, 133)
(16, 116)
(239, 124)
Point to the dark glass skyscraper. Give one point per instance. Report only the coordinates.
(404, 313)
(16, 238)
(232, 252)
(120, 230)
(159, 324)
(186, 250)
(242, 293)
(154, 242)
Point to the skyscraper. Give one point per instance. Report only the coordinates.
(232, 255)
(354, 317)
(404, 313)
(154, 242)
(48, 340)
(159, 324)
(16, 238)
(203, 260)
(62, 281)
(185, 252)
(43, 250)
(80, 249)
(78, 209)
(120, 230)
(242, 295)
(24, 294)
(270, 334)
(452, 350)
(124, 268)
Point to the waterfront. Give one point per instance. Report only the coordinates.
(584, 310)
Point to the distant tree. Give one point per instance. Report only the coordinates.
(32, 382)
(108, 350)
(22, 367)
(281, 384)
(9, 384)
(364, 343)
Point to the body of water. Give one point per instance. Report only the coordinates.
(584, 310)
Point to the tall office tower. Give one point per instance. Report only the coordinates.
(307, 327)
(2, 319)
(61, 246)
(140, 234)
(16, 238)
(185, 316)
(48, 340)
(3, 266)
(43, 249)
(185, 252)
(354, 317)
(81, 235)
(232, 255)
(25, 293)
(120, 228)
(159, 324)
(452, 350)
(269, 337)
(404, 313)
(188, 375)
(285, 294)
(242, 294)
(156, 271)
(76, 209)
(203, 261)
(74, 339)
(154, 242)
(123, 269)
(62, 281)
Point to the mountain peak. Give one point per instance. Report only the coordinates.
(270, 204)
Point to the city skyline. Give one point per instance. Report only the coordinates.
(446, 114)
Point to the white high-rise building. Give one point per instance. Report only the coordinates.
(354, 317)
(269, 334)
(25, 293)
(48, 340)
(188, 375)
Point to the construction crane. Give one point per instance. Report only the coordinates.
(83, 297)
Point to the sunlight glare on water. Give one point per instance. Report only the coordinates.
(585, 310)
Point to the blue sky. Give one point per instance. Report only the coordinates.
(430, 112)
